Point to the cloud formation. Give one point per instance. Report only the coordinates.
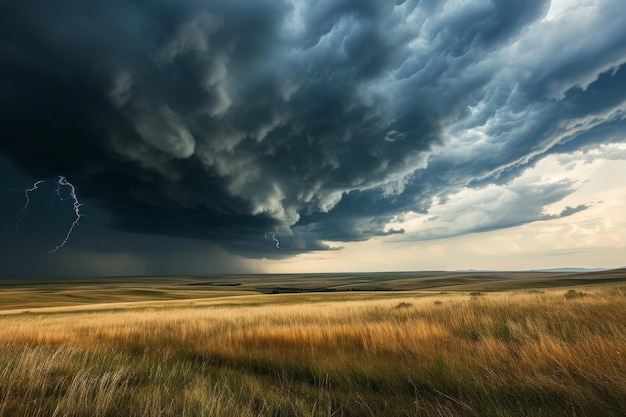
(319, 121)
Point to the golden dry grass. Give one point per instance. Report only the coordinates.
(549, 353)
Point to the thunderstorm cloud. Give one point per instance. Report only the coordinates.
(319, 121)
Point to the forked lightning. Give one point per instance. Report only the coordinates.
(62, 182)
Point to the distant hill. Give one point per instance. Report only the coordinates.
(571, 270)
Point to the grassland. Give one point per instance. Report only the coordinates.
(168, 348)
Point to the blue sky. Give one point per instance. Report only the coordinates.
(363, 135)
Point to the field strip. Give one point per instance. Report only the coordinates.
(232, 299)
(128, 305)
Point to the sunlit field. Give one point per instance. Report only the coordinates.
(524, 352)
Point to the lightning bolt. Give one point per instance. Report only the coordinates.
(24, 210)
(62, 182)
(276, 240)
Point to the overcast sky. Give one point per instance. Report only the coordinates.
(206, 136)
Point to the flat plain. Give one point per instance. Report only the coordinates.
(380, 344)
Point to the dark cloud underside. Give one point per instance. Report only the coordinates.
(315, 120)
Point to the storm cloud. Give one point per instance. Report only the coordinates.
(317, 121)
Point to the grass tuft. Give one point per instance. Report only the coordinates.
(572, 294)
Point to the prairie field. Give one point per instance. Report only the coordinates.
(522, 351)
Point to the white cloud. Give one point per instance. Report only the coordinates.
(595, 237)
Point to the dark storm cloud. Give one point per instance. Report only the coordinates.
(315, 120)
